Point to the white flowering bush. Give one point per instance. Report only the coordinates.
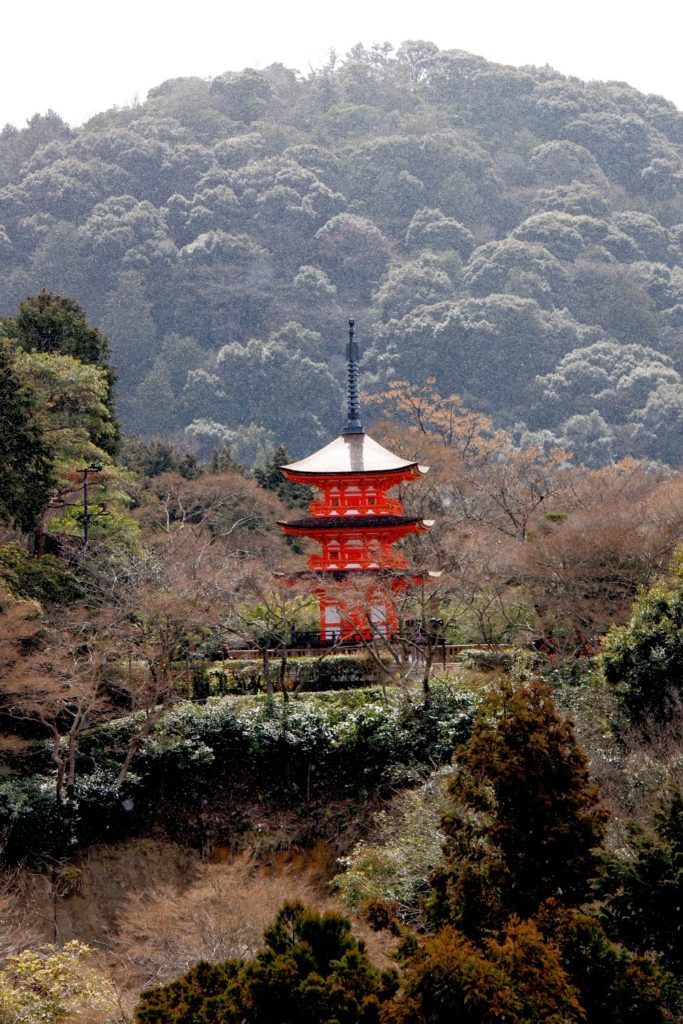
(394, 864)
(47, 985)
(310, 746)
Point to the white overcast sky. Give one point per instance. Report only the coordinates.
(79, 57)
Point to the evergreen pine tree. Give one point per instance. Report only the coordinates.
(525, 819)
(271, 478)
(26, 458)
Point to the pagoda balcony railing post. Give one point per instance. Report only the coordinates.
(325, 509)
(322, 563)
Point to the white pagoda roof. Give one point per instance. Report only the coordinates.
(353, 453)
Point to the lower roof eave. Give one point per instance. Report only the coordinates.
(309, 574)
(324, 524)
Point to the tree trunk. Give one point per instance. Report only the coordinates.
(72, 749)
(266, 672)
(429, 652)
(283, 673)
(39, 535)
(56, 756)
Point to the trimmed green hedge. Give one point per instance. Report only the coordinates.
(305, 674)
(290, 752)
(484, 659)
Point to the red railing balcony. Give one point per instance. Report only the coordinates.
(387, 507)
(322, 563)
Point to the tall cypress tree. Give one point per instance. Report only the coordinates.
(26, 467)
(525, 820)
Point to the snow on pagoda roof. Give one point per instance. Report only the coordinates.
(353, 453)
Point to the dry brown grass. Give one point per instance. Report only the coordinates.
(152, 909)
(19, 927)
(222, 914)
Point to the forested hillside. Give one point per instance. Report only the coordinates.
(514, 232)
(493, 789)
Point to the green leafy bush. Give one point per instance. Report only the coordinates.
(294, 751)
(304, 674)
(643, 908)
(43, 579)
(48, 985)
(644, 658)
(483, 660)
(348, 744)
(102, 805)
(394, 864)
(311, 968)
(335, 672)
(33, 823)
(514, 660)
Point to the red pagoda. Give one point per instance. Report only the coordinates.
(356, 524)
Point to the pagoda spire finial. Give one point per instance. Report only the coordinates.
(353, 425)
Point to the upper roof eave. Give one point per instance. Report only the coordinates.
(353, 454)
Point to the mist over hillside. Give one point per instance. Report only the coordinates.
(512, 232)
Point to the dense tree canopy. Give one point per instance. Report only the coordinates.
(51, 323)
(479, 220)
(311, 968)
(26, 458)
(57, 409)
(525, 819)
(644, 657)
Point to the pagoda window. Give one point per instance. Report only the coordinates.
(371, 496)
(352, 496)
(354, 545)
(353, 552)
(331, 622)
(378, 618)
